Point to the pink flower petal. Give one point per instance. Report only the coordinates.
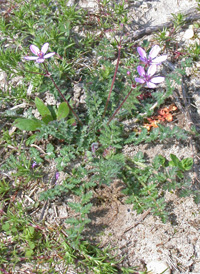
(144, 60)
(30, 58)
(139, 80)
(40, 60)
(141, 70)
(154, 51)
(141, 52)
(151, 85)
(44, 48)
(151, 70)
(35, 50)
(157, 80)
(159, 59)
(48, 55)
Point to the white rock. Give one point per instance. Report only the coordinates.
(157, 267)
(144, 6)
(29, 90)
(189, 71)
(197, 103)
(3, 80)
(189, 33)
(12, 130)
(193, 42)
(70, 3)
(62, 211)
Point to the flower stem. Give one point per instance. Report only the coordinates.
(35, 72)
(49, 75)
(113, 80)
(117, 110)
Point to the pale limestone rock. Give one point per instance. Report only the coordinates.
(189, 33)
(29, 90)
(157, 267)
(3, 80)
(63, 213)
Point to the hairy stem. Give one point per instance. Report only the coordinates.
(48, 75)
(35, 72)
(117, 110)
(113, 80)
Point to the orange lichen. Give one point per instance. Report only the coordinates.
(164, 114)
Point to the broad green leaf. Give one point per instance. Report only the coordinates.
(31, 245)
(14, 230)
(71, 121)
(63, 111)
(28, 124)
(53, 111)
(6, 226)
(46, 119)
(175, 161)
(158, 161)
(28, 253)
(31, 230)
(42, 108)
(187, 163)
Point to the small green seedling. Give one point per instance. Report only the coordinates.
(48, 114)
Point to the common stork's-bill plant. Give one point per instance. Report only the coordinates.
(86, 90)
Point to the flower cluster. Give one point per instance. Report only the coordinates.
(147, 78)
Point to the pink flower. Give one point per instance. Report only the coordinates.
(41, 56)
(57, 175)
(151, 59)
(147, 77)
(34, 164)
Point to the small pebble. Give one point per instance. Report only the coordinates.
(189, 33)
(158, 267)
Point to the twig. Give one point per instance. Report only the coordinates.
(43, 210)
(139, 221)
(40, 149)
